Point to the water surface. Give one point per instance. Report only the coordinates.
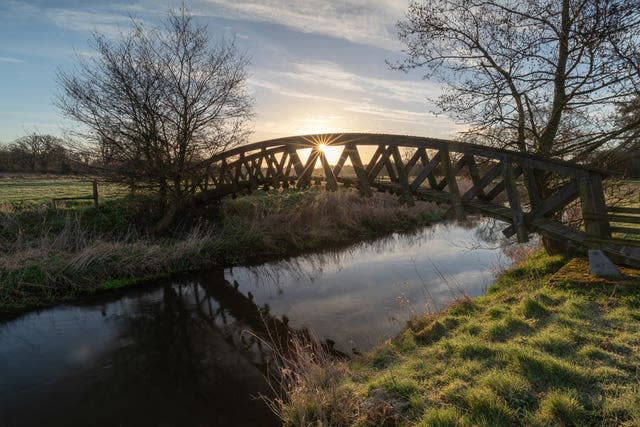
(193, 351)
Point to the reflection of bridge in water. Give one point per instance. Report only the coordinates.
(503, 184)
(249, 327)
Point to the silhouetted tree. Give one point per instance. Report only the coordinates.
(159, 103)
(538, 76)
(36, 152)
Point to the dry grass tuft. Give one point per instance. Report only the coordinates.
(309, 387)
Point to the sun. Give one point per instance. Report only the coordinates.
(324, 144)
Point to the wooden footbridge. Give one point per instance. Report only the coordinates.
(470, 178)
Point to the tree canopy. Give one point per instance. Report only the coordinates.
(540, 76)
(158, 103)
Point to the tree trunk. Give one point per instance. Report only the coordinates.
(167, 218)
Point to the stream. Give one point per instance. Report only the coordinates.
(194, 350)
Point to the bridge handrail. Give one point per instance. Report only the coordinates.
(373, 139)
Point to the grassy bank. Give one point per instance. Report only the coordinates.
(548, 345)
(51, 255)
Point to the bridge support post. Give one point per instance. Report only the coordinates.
(454, 191)
(514, 201)
(593, 204)
(403, 176)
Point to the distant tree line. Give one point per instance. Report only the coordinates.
(38, 153)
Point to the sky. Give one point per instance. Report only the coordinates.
(316, 66)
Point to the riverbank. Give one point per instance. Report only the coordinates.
(52, 255)
(547, 345)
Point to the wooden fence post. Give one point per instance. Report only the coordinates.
(95, 194)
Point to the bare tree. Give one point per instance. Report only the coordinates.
(538, 76)
(159, 103)
(38, 152)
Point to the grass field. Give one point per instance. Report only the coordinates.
(30, 190)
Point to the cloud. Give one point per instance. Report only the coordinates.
(400, 101)
(332, 74)
(362, 21)
(103, 16)
(111, 24)
(12, 60)
(374, 112)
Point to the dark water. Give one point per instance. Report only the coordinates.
(193, 351)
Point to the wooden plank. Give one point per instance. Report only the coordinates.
(361, 173)
(597, 241)
(382, 162)
(238, 172)
(500, 187)
(424, 158)
(474, 173)
(621, 209)
(625, 230)
(341, 161)
(414, 159)
(332, 184)
(457, 167)
(613, 218)
(427, 171)
(297, 164)
(531, 184)
(374, 158)
(487, 179)
(402, 176)
(514, 201)
(305, 177)
(288, 168)
(223, 172)
(271, 172)
(558, 200)
(282, 163)
(452, 184)
(593, 203)
(277, 170)
(391, 171)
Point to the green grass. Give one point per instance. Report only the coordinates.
(532, 352)
(32, 190)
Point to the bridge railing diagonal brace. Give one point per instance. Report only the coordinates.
(402, 176)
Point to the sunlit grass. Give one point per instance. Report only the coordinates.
(28, 191)
(532, 352)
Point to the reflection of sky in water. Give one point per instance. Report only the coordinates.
(355, 296)
(65, 338)
(361, 295)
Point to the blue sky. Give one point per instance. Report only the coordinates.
(316, 66)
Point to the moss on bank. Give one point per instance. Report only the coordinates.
(532, 352)
(53, 255)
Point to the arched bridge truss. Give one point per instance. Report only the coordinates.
(470, 178)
